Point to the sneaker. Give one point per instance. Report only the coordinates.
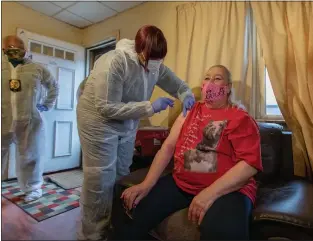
(33, 195)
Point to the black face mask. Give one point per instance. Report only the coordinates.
(15, 62)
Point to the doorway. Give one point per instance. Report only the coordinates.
(95, 52)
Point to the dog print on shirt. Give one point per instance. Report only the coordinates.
(204, 157)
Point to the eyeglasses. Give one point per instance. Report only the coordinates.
(12, 51)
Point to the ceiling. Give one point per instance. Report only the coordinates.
(80, 14)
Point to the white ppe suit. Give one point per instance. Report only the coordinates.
(115, 96)
(80, 89)
(22, 122)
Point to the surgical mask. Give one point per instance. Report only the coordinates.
(154, 64)
(14, 53)
(212, 92)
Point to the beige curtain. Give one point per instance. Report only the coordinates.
(210, 33)
(286, 34)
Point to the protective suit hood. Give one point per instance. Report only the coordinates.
(126, 45)
(27, 61)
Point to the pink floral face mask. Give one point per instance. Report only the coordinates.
(212, 92)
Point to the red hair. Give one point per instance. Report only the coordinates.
(150, 42)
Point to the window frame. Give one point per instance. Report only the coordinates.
(259, 79)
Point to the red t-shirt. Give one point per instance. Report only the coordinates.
(211, 142)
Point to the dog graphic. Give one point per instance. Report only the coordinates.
(204, 157)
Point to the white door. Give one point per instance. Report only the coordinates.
(66, 63)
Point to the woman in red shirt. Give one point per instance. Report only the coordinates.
(216, 155)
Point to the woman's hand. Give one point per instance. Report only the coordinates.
(200, 205)
(133, 195)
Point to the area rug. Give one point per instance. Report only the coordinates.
(54, 201)
(68, 180)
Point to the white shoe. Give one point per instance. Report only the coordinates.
(33, 195)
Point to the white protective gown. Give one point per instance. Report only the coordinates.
(22, 122)
(115, 96)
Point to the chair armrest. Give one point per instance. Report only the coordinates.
(138, 176)
(289, 202)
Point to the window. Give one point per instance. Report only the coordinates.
(47, 50)
(59, 53)
(35, 47)
(271, 105)
(69, 56)
(263, 97)
(51, 51)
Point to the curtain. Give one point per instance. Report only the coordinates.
(210, 33)
(286, 33)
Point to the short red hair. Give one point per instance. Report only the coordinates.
(150, 41)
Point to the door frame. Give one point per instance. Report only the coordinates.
(109, 41)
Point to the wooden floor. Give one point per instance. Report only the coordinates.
(17, 225)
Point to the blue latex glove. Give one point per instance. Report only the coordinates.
(188, 103)
(161, 104)
(41, 108)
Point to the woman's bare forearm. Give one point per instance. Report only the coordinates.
(232, 180)
(158, 165)
(164, 156)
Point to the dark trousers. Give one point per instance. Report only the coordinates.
(227, 219)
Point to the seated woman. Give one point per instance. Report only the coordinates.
(217, 152)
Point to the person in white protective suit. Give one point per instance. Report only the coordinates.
(80, 89)
(115, 96)
(21, 120)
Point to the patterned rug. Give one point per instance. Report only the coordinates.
(54, 200)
